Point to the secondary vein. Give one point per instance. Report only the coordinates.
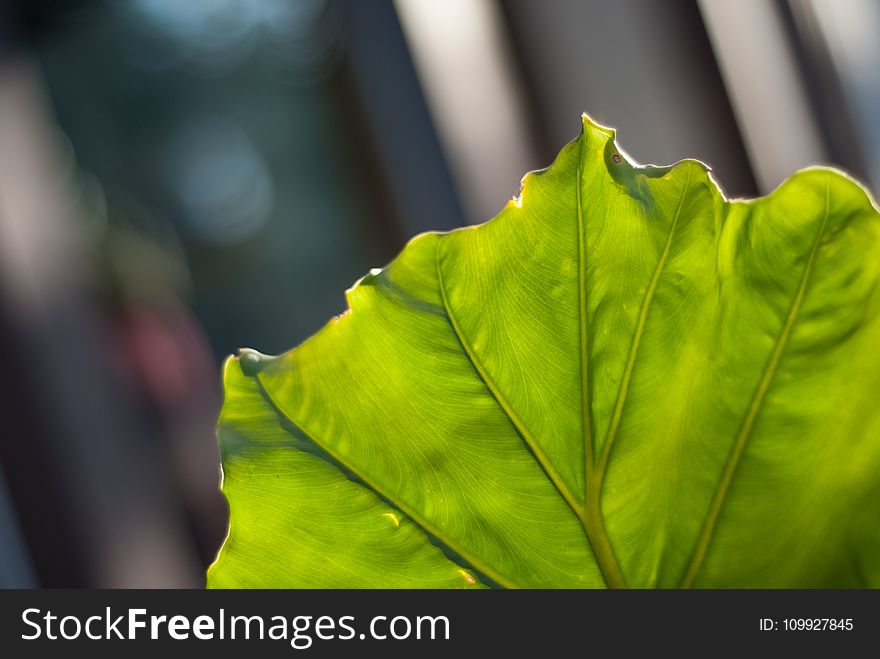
(707, 532)
(622, 394)
(517, 422)
(417, 518)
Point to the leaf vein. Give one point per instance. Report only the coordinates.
(711, 521)
(426, 526)
(503, 403)
(623, 392)
(591, 515)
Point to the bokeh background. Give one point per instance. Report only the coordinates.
(180, 178)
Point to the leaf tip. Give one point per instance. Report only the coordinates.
(591, 125)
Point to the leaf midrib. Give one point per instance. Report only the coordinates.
(585, 513)
(591, 517)
(707, 532)
(589, 513)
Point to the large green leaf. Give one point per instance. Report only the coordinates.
(623, 379)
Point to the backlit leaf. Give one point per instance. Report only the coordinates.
(622, 379)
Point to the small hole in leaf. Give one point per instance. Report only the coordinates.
(615, 159)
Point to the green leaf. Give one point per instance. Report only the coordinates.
(623, 379)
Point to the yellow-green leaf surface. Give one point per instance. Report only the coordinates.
(624, 379)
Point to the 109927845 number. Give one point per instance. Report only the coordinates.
(817, 624)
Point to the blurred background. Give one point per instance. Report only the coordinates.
(182, 178)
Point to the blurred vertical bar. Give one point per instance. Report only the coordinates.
(780, 128)
(642, 66)
(402, 139)
(92, 496)
(462, 55)
(824, 86)
(840, 41)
